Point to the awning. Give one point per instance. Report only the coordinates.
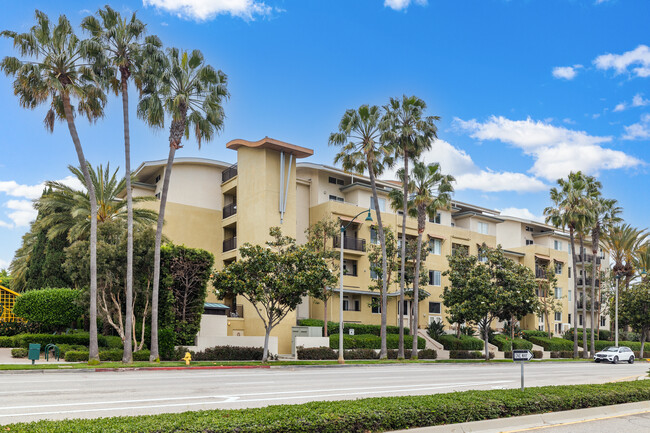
(442, 238)
(216, 306)
(348, 219)
(558, 260)
(543, 257)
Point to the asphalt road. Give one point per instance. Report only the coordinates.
(78, 394)
(628, 423)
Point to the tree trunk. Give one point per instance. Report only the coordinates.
(644, 331)
(548, 324)
(486, 334)
(93, 348)
(383, 351)
(400, 352)
(575, 292)
(326, 298)
(512, 327)
(594, 253)
(585, 353)
(416, 286)
(154, 356)
(265, 354)
(128, 345)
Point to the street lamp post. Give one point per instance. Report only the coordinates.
(618, 277)
(368, 218)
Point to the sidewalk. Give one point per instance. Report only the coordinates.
(519, 423)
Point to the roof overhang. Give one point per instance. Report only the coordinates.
(148, 168)
(468, 214)
(514, 253)
(273, 144)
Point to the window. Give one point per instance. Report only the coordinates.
(569, 318)
(350, 268)
(558, 293)
(558, 316)
(483, 228)
(481, 257)
(157, 179)
(434, 278)
(558, 268)
(557, 245)
(459, 248)
(435, 246)
(569, 272)
(528, 241)
(602, 321)
(529, 229)
(434, 307)
(336, 181)
(373, 274)
(568, 248)
(351, 304)
(435, 220)
(382, 204)
(375, 305)
(580, 319)
(569, 296)
(335, 198)
(541, 319)
(374, 236)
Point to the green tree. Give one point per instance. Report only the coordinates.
(319, 236)
(191, 93)
(359, 136)
(409, 133)
(274, 278)
(121, 48)
(5, 278)
(52, 308)
(55, 70)
(635, 309)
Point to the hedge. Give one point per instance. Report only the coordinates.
(506, 344)
(105, 355)
(599, 334)
(19, 352)
(49, 307)
(552, 344)
(316, 353)
(565, 354)
(465, 342)
(79, 339)
(527, 333)
(468, 354)
(367, 341)
(222, 353)
(634, 345)
(359, 328)
(363, 415)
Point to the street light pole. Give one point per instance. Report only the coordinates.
(343, 227)
(616, 312)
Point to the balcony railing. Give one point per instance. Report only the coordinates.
(540, 273)
(229, 173)
(229, 210)
(229, 244)
(587, 258)
(350, 243)
(581, 304)
(587, 281)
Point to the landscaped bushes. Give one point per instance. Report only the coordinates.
(565, 354)
(551, 344)
(634, 345)
(55, 308)
(316, 353)
(465, 342)
(81, 339)
(19, 352)
(468, 354)
(367, 341)
(114, 355)
(9, 329)
(76, 356)
(359, 329)
(506, 344)
(527, 333)
(600, 334)
(222, 353)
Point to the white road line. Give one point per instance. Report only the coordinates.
(41, 391)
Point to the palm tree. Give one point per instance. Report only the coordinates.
(641, 260)
(192, 93)
(55, 69)
(623, 241)
(605, 214)
(569, 210)
(429, 191)
(120, 41)
(67, 210)
(409, 133)
(361, 149)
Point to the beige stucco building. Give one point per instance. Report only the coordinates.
(218, 206)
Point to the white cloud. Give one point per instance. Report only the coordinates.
(6, 224)
(15, 189)
(566, 72)
(202, 10)
(637, 101)
(620, 107)
(638, 131)
(23, 212)
(521, 213)
(569, 121)
(399, 5)
(4, 264)
(638, 58)
(556, 150)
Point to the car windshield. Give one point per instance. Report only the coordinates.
(611, 349)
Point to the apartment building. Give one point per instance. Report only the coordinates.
(219, 206)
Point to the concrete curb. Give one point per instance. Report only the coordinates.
(519, 423)
(198, 367)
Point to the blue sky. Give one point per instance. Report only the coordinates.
(527, 90)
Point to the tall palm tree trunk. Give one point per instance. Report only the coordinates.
(575, 292)
(594, 253)
(326, 297)
(93, 348)
(383, 351)
(127, 357)
(416, 284)
(585, 353)
(154, 355)
(400, 353)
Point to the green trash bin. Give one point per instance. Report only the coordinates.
(34, 352)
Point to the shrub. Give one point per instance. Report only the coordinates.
(435, 329)
(467, 354)
(359, 329)
(600, 334)
(422, 354)
(551, 344)
(313, 353)
(81, 339)
(49, 307)
(634, 345)
(8, 342)
(533, 333)
(520, 343)
(367, 341)
(221, 353)
(503, 343)
(565, 354)
(63, 348)
(76, 356)
(450, 342)
(114, 342)
(166, 343)
(9, 329)
(19, 353)
(467, 330)
(361, 354)
(141, 355)
(111, 355)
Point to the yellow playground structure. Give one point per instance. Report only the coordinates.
(7, 300)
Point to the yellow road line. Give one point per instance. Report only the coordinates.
(578, 422)
(627, 377)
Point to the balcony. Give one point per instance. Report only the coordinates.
(587, 282)
(581, 304)
(350, 243)
(540, 273)
(229, 210)
(229, 244)
(229, 173)
(587, 258)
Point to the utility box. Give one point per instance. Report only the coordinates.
(304, 331)
(34, 352)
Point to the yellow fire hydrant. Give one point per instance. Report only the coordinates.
(187, 358)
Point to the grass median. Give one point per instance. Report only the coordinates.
(365, 415)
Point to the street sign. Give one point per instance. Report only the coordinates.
(522, 355)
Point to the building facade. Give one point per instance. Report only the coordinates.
(219, 206)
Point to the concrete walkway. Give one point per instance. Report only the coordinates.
(541, 421)
(5, 358)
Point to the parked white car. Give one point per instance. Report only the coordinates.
(615, 354)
